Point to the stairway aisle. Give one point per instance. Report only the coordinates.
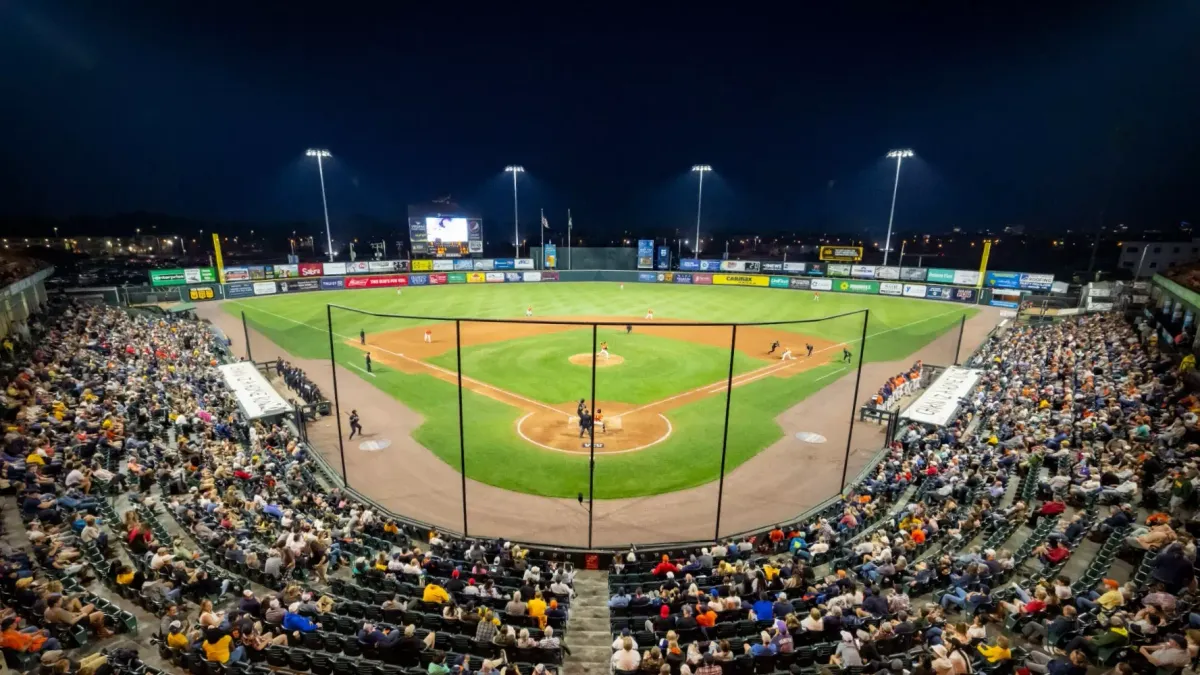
(588, 634)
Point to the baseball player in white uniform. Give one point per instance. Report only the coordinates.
(787, 355)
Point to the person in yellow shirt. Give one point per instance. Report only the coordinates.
(217, 647)
(176, 638)
(435, 593)
(537, 608)
(998, 653)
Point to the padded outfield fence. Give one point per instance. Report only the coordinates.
(709, 436)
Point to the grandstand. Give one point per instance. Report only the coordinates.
(1047, 525)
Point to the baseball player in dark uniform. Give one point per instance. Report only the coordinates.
(845, 355)
(355, 425)
(809, 348)
(368, 362)
(774, 346)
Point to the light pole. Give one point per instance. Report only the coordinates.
(320, 155)
(899, 155)
(515, 169)
(700, 169)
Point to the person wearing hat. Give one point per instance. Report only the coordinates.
(176, 638)
(1170, 654)
(1076, 663)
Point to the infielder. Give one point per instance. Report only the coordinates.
(845, 355)
(809, 348)
(787, 355)
(529, 311)
(774, 346)
(604, 353)
(650, 314)
(428, 336)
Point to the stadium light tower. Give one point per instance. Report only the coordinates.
(321, 154)
(515, 169)
(700, 169)
(899, 155)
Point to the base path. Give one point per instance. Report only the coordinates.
(780, 482)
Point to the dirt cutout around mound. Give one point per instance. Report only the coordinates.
(629, 428)
(601, 361)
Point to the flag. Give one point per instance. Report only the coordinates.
(569, 224)
(545, 223)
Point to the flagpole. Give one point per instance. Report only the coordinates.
(569, 239)
(542, 231)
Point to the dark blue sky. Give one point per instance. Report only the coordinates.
(1018, 114)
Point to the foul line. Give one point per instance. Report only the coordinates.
(362, 369)
(660, 439)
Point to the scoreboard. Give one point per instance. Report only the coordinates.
(443, 236)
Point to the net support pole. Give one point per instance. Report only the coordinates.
(462, 446)
(246, 336)
(725, 431)
(862, 345)
(962, 327)
(337, 404)
(592, 443)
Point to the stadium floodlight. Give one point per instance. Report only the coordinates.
(700, 169)
(899, 155)
(321, 154)
(515, 169)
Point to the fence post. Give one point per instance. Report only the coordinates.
(246, 335)
(592, 444)
(962, 326)
(462, 447)
(337, 404)
(862, 347)
(725, 431)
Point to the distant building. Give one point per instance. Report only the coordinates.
(1147, 258)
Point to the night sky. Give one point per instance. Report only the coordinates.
(1018, 114)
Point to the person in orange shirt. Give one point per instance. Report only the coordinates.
(29, 640)
(705, 617)
(918, 536)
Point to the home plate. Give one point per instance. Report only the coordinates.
(374, 446)
(810, 437)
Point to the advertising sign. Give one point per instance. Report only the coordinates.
(437, 279)
(179, 277)
(800, 284)
(287, 271)
(297, 285)
(778, 282)
(772, 267)
(334, 269)
(663, 260)
(912, 273)
(523, 264)
(550, 260)
(740, 266)
(1037, 282)
(914, 290)
(422, 266)
(333, 284)
(255, 396)
(857, 286)
(966, 277)
(476, 277)
(838, 270)
(531, 276)
(549, 276)
(493, 277)
(381, 265)
(483, 265)
(1003, 280)
(264, 287)
(740, 280)
(887, 273)
(840, 253)
(401, 265)
(939, 276)
(202, 293)
(683, 278)
(380, 281)
(948, 293)
(418, 279)
(237, 274)
(647, 277)
(456, 278)
(504, 264)
(862, 271)
(645, 254)
(463, 265)
(814, 269)
(689, 264)
(358, 267)
(311, 269)
(666, 277)
(821, 284)
(710, 265)
(890, 288)
(703, 279)
(441, 265)
(940, 401)
(793, 268)
(259, 272)
(512, 277)
(239, 290)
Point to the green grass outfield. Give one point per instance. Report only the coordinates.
(655, 367)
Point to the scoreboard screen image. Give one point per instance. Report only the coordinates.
(443, 236)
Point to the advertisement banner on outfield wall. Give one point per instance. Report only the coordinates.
(333, 284)
(549, 276)
(483, 265)
(703, 279)
(1002, 280)
(647, 277)
(379, 281)
(180, 276)
(311, 269)
(710, 265)
(264, 287)
(237, 274)
(381, 265)
(966, 277)
(259, 272)
(334, 269)
(512, 277)
(443, 265)
(524, 263)
(862, 271)
(683, 278)
(476, 277)
(838, 269)
(1037, 282)
(912, 273)
(422, 266)
(456, 278)
(914, 290)
(940, 276)
(645, 254)
(531, 276)
(778, 282)
(437, 279)
(889, 288)
(816, 269)
(800, 284)
(504, 264)
(358, 267)
(740, 266)
(772, 267)
(887, 273)
(949, 293)
(740, 280)
(857, 287)
(401, 265)
(666, 277)
(418, 279)
(287, 271)
(493, 277)
(239, 290)
(821, 284)
(463, 266)
(298, 285)
(202, 293)
(793, 268)
(689, 264)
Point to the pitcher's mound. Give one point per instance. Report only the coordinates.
(601, 362)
